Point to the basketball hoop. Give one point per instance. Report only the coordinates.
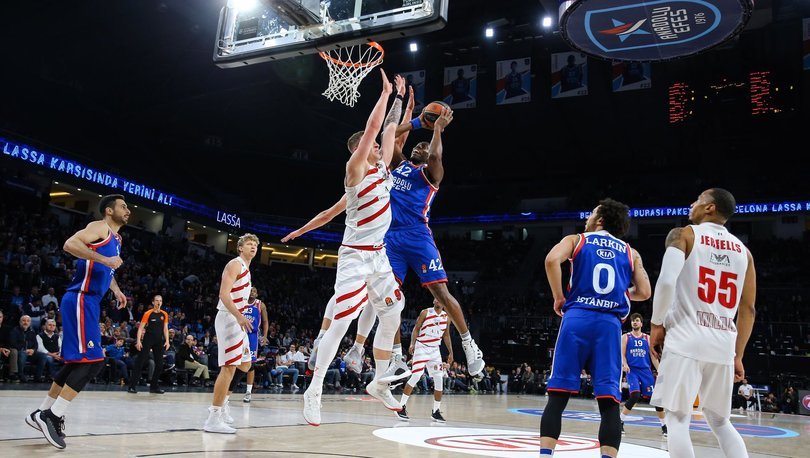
(347, 68)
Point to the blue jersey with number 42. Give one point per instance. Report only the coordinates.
(601, 274)
(411, 196)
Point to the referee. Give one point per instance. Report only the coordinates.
(153, 334)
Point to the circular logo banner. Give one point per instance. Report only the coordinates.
(649, 31)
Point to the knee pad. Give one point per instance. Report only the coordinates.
(384, 338)
(551, 422)
(78, 377)
(610, 430)
(438, 381)
(634, 397)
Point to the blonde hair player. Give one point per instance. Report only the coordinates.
(231, 328)
(707, 276)
(364, 272)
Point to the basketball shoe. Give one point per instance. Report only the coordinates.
(226, 413)
(313, 357)
(403, 414)
(214, 423)
(397, 370)
(381, 392)
(51, 427)
(312, 407)
(475, 358)
(437, 416)
(354, 358)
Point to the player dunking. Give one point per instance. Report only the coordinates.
(636, 359)
(430, 329)
(231, 327)
(255, 312)
(409, 241)
(98, 247)
(606, 274)
(363, 271)
(707, 277)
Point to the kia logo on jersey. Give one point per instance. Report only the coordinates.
(651, 30)
(605, 254)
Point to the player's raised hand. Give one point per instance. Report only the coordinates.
(291, 236)
(444, 119)
(410, 105)
(400, 83)
(386, 84)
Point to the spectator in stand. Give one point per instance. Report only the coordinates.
(5, 350)
(49, 344)
(286, 365)
(37, 312)
(24, 347)
(14, 305)
(367, 373)
(119, 361)
(186, 359)
(745, 395)
(770, 403)
(790, 402)
(50, 297)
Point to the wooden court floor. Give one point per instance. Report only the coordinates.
(112, 423)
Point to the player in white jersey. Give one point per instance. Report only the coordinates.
(364, 275)
(707, 276)
(430, 329)
(231, 328)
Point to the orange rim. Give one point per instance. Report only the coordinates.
(373, 44)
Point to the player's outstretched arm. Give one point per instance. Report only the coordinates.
(391, 122)
(641, 290)
(77, 244)
(319, 220)
(357, 165)
(403, 131)
(561, 252)
(435, 168)
(745, 317)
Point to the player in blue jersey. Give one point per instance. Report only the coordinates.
(606, 274)
(636, 358)
(98, 247)
(409, 241)
(255, 312)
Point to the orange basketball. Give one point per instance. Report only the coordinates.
(432, 112)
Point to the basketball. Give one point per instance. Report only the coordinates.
(432, 112)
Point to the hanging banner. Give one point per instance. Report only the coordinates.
(416, 79)
(460, 86)
(629, 76)
(569, 74)
(514, 81)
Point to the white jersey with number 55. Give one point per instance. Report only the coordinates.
(700, 323)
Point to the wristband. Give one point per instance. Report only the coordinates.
(400, 97)
(416, 123)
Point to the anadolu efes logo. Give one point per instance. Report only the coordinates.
(628, 30)
(502, 443)
(806, 402)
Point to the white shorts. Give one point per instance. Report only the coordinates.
(681, 379)
(427, 357)
(365, 277)
(233, 346)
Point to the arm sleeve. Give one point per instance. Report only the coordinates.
(671, 267)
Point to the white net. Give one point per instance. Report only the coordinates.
(347, 68)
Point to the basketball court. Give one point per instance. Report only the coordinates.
(112, 423)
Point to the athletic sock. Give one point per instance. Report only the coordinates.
(436, 405)
(321, 333)
(404, 399)
(397, 349)
(358, 347)
(47, 402)
(622, 416)
(466, 337)
(60, 406)
(249, 389)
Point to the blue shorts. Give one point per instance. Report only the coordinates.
(592, 341)
(81, 336)
(253, 340)
(414, 247)
(641, 380)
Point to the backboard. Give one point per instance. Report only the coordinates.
(252, 31)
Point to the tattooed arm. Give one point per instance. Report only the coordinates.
(641, 290)
(392, 121)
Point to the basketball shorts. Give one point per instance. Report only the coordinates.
(641, 380)
(81, 336)
(681, 379)
(253, 344)
(415, 248)
(233, 346)
(364, 277)
(592, 341)
(427, 357)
